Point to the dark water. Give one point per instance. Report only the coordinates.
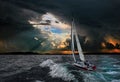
(38, 68)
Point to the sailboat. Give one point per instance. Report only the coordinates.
(81, 63)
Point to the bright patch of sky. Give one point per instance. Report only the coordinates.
(56, 31)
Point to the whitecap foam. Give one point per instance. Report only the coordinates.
(112, 72)
(115, 81)
(94, 77)
(57, 70)
(117, 66)
(47, 63)
(39, 81)
(89, 78)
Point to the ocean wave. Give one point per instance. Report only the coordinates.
(112, 72)
(115, 80)
(58, 70)
(89, 78)
(94, 77)
(39, 81)
(47, 63)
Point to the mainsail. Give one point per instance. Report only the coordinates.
(72, 44)
(74, 34)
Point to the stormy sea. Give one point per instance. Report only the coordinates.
(57, 68)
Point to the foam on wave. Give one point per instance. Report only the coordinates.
(115, 81)
(39, 81)
(57, 70)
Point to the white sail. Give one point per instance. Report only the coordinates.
(74, 32)
(81, 63)
(72, 44)
(79, 48)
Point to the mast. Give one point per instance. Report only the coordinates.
(81, 55)
(72, 42)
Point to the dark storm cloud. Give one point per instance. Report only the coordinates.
(10, 18)
(98, 17)
(16, 34)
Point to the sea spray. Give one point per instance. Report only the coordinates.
(57, 70)
(47, 63)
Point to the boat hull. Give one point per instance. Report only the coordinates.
(85, 67)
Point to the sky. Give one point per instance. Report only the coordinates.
(44, 26)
